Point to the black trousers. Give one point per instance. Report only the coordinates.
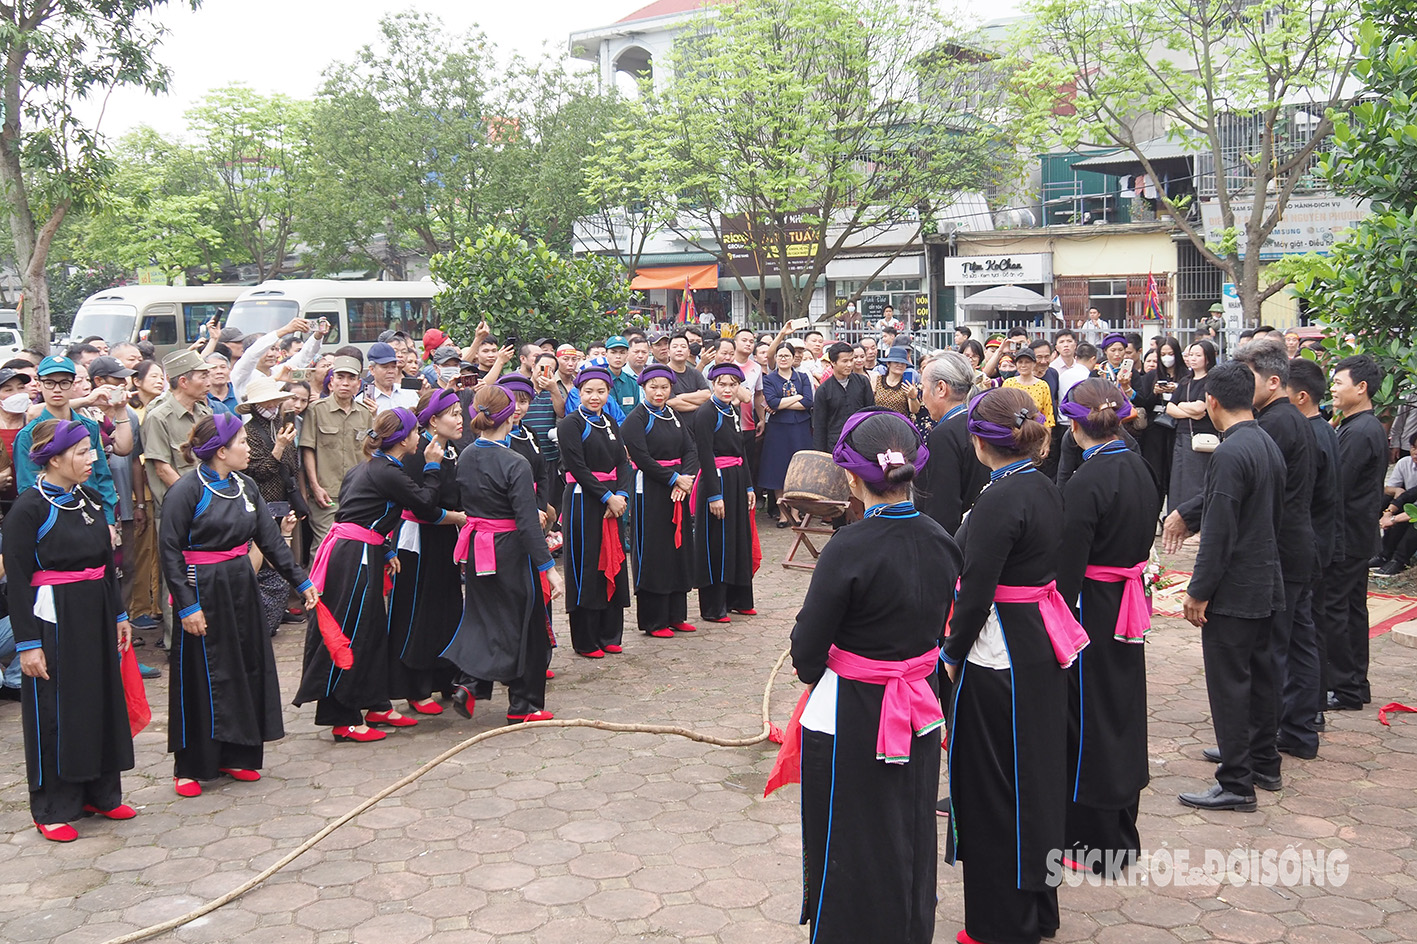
(596, 629)
(1002, 913)
(1239, 680)
(62, 801)
(717, 599)
(526, 694)
(1399, 543)
(1296, 665)
(660, 610)
(331, 712)
(204, 758)
(1107, 841)
(1346, 635)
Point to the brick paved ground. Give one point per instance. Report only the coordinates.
(584, 836)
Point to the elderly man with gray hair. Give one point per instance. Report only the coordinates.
(953, 476)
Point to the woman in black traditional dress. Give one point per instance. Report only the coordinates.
(523, 443)
(224, 701)
(346, 643)
(592, 517)
(662, 538)
(1110, 509)
(70, 629)
(504, 635)
(867, 641)
(1010, 638)
(426, 600)
(724, 530)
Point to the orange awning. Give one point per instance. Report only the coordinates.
(699, 276)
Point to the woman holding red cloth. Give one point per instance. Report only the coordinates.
(70, 629)
(505, 631)
(347, 639)
(662, 533)
(1011, 636)
(867, 641)
(224, 702)
(1110, 509)
(724, 532)
(592, 518)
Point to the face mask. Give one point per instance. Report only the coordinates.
(269, 412)
(447, 373)
(16, 403)
(1168, 360)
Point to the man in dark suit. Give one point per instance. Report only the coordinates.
(840, 394)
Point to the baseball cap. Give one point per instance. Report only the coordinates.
(106, 366)
(617, 341)
(381, 353)
(1025, 354)
(434, 339)
(446, 353)
(347, 365)
(540, 341)
(55, 365)
(567, 349)
(231, 334)
(177, 363)
(657, 336)
(8, 374)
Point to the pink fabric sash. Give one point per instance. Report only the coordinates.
(342, 530)
(410, 516)
(216, 557)
(53, 578)
(1064, 632)
(909, 708)
(599, 477)
(1134, 618)
(719, 462)
(478, 533)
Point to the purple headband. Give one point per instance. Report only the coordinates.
(67, 435)
(501, 416)
(442, 399)
(515, 384)
(1115, 400)
(1112, 339)
(993, 432)
(732, 370)
(872, 469)
(407, 424)
(652, 371)
(227, 426)
(594, 373)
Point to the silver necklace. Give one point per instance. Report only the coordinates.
(240, 490)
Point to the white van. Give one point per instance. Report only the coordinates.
(170, 316)
(357, 311)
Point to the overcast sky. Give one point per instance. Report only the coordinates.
(283, 45)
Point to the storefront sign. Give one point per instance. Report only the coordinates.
(1025, 268)
(1309, 224)
(754, 248)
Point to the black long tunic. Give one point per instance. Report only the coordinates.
(225, 686)
(1110, 508)
(426, 601)
(587, 448)
(373, 495)
(652, 439)
(868, 828)
(1008, 725)
(953, 475)
(723, 547)
(76, 722)
(502, 609)
(1362, 463)
(523, 443)
(833, 404)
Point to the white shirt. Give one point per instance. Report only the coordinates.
(408, 399)
(1403, 475)
(1068, 377)
(1094, 333)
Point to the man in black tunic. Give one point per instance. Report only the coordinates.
(953, 475)
(1362, 463)
(840, 395)
(1235, 590)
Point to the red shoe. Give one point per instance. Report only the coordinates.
(121, 811)
(684, 628)
(534, 716)
(245, 776)
(189, 789)
(386, 717)
(61, 833)
(349, 734)
(616, 650)
(429, 707)
(597, 654)
(747, 612)
(963, 938)
(718, 619)
(464, 703)
(662, 633)
(550, 674)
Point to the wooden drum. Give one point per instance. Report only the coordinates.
(815, 485)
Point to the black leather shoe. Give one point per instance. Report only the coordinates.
(1272, 784)
(1333, 704)
(1319, 722)
(1211, 754)
(1298, 750)
(1218, 798)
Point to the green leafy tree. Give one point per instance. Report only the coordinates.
(1250, 88)
(254, 151)
(852, 120)
(525, 286)
(58, 56)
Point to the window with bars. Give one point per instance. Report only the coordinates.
(1196, 277)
